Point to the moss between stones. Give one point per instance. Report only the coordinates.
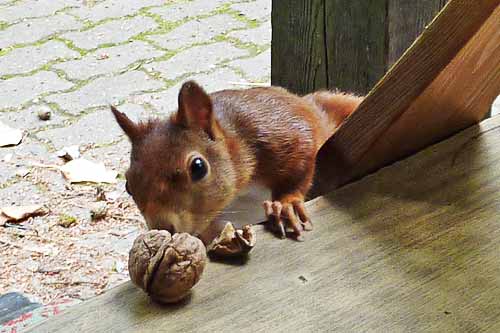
(66, 221)
(163, 27)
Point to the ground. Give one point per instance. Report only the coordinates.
(73, 58)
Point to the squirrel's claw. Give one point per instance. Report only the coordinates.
(273, 215)
(293, 214)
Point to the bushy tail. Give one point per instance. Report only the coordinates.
(336, 105)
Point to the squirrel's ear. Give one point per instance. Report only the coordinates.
(195, 109)
(131, 129)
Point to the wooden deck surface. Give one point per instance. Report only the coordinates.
(412, 248)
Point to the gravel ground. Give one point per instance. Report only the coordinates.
(71, 59)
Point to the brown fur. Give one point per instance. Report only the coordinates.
(267, 135)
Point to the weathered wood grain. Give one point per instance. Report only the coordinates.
(342, 44)
(298, 45)
(406, 21)
(461, 95)
(437, 49)
(412, 248)
(355, 43)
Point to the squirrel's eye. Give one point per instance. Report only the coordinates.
(127, 188)
(198, 169)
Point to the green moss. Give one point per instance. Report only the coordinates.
(71, 45)
(3, 25)
(9, 182)
(66, 221)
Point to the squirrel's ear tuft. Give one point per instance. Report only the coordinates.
(131, 129)
(195, 109)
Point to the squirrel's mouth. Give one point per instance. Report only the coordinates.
(160, 224)
(170, 228)
(166, 225)
(173, 222)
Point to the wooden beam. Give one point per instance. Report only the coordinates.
(413, 248)
(299, 65)
(355, 40)
(445, 70)
(407, 20)
(342, 44)
(461, 95)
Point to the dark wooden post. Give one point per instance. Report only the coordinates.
(342, 44)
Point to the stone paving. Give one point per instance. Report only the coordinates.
(74, 58)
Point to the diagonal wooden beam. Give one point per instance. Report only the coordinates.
(444, 82)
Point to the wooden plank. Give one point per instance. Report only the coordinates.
(355, 43)
(461, 95)
(433, 51)
(412, 248)
(342, 44)
(299, 65)
(406, 21)
(337, 43)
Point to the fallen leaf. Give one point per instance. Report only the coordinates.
(18, 213)
(69, 153)
(82, 170)
(9, 136)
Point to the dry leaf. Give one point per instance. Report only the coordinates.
(9, 136)
(82, 170)
(18, 213)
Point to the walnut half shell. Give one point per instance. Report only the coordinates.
(166, 266)
(232, 242)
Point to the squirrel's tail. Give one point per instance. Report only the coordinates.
(335, 104)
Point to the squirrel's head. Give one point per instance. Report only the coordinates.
(180, 175)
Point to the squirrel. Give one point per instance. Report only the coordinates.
(186, 169)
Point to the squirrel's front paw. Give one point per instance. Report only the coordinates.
(287, 217)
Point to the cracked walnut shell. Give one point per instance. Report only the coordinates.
(166, 266)
(233, 242)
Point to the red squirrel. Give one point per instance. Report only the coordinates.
(186, 169)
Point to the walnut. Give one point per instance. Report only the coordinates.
(232, 242)
(166, 266)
